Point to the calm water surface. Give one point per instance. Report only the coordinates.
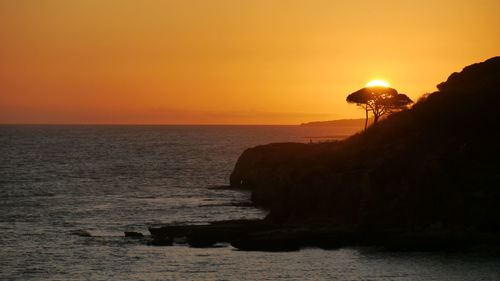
(59, 181)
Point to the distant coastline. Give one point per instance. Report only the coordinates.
(339, 123)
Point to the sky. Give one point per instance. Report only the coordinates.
(227, 61)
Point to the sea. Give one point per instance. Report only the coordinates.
(68, 193)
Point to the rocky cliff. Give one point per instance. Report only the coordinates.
(434, 166)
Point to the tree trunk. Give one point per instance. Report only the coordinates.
(375, 118)
(366, 119)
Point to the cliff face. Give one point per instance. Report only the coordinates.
(436, 165)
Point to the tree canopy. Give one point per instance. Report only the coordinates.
(379, 100)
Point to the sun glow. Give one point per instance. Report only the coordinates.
(377, 83)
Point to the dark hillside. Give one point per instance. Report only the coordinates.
(436, 165)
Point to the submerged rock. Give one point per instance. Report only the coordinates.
(264, 236)
(133, 234)
(81, 233)
(208, 235)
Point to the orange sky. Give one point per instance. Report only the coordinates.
(227, 61)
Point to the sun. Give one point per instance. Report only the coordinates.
(377, 83)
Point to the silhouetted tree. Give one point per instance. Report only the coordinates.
(379, 100)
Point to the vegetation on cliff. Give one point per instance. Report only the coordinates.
(434, 166)
(379, 100)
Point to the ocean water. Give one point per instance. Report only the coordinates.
(59, 182)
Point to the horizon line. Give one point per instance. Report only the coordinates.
(141, 124)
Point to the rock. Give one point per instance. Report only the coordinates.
(243, 204)
(271, 241)
(260, 235)
(253, 235)
(133, 234)
(209, 235)
(266, 245)
(221, 187)
(203, 240)
(180, 240)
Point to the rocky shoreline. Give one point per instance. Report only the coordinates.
(260, 235)
(422, 179)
